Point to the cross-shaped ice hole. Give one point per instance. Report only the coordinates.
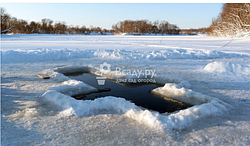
(140, 94)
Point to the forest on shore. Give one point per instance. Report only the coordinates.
(234, 20)
(48, 26)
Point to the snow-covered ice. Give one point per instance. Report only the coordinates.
(193, 69)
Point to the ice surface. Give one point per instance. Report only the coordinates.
(194, 69)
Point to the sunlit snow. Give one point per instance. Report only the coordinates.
(192, 69)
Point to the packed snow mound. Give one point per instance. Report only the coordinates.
(71, 107)
(14, 56)
(73, 87)
(227, 68)
(204, 105)
(180, 93)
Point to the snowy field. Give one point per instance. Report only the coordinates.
(195, 69)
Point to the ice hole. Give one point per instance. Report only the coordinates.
(140, 94)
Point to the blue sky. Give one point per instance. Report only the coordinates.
(105, 15)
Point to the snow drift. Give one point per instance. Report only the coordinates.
(227, 68)
(14, 56)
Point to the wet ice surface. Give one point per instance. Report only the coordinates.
(27, 119)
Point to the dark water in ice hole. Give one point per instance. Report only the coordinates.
(140, 94)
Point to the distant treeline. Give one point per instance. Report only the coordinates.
(192, 31)
(145, 26)
(48, 26)
(234, 20)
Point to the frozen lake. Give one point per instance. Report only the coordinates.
(193, 69)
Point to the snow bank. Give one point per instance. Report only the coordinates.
(227, 68)
(89, 107)
(73, 87)
(187, 117)
(179, 120)
(14, 56)
(180, 93)
(187, 54)
(204, 105)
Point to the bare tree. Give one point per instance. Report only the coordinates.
(234, 20)
(5, 17)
